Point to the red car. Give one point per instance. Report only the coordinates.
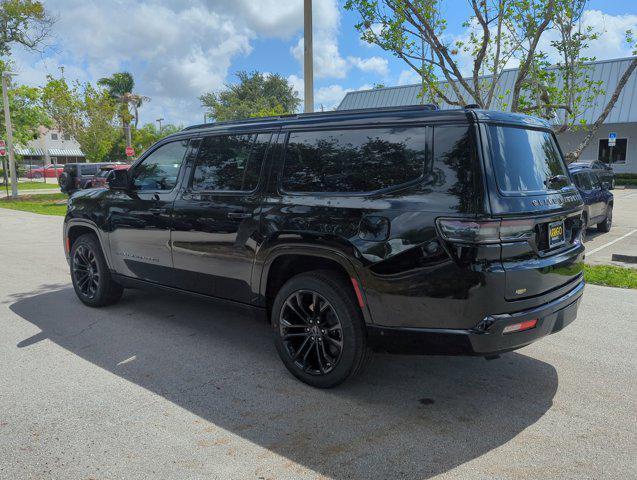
(48, 171)
(99, 180)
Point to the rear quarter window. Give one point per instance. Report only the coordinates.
(353, 160)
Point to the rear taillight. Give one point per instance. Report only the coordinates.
(485, 231)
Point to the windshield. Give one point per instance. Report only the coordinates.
(526, 160)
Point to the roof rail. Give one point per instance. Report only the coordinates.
(428, 107)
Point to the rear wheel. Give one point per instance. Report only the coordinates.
(608, 221)
(320, 332)
(90, 274)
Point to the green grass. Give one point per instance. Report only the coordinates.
(32, 186)
(45, 204)
(611, 276)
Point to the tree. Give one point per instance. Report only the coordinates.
(27, 113)
(256, 95)
(142, 138)
(85, 113)
(499, 32)
(23, 22)
(120, 87)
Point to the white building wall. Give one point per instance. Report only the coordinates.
(46, 140)
(569, 141)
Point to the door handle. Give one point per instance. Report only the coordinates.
(239, 215)
(157, 211)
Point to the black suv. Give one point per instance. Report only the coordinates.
(406, 230)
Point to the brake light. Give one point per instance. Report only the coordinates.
(520, 327)
(485, 231)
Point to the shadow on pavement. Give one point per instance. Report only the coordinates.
(406, 417)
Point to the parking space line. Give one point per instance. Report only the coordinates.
(595, 250)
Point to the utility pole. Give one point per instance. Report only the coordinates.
(308, 59)
(7, 122)
(159, 120)
(129, 140)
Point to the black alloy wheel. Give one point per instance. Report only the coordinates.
(91, 277)
(311, 331)
(319, 329)
(86, 271)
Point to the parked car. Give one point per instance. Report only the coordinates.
(403, 230)
(603, 170)
(78, 176)
(100, 177)
(47, 171)
(598, 201)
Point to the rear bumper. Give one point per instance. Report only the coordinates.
(485, 339)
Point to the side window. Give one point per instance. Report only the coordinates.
(159, 170)
(353, 161)
(454, 168)
(230, 162)
(585, 181)
(597, 185)
(577, 180)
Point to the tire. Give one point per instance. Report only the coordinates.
(95, 288)
(37, 175)
(64, 180)
(309, 344)
(608, 221)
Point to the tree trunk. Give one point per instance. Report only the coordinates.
(575, 154)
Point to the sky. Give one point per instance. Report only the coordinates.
(179, 49)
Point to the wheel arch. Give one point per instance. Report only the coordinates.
(287, 261)
(74, 228)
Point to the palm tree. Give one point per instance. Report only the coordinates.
(120, 87)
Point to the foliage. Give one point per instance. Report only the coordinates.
(26, 110)
(611, 276)
(120, 87)
(23, 22)
(499, 31)
(44, 204)
(85, 113)
(255, 95)
(142, 138)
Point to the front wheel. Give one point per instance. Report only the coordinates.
(608, 221)
(90, 274)
(319, 329)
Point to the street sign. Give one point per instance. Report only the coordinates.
(130, 151)
(3, 149)
(612, 138)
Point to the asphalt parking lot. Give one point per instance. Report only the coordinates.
(622, 238)
(173, 387)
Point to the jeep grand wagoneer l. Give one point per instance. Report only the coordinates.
(405, 229)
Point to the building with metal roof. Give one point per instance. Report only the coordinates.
(622, 120)
(51, 147)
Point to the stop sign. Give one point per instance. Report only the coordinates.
(3, 151)
(130, 151)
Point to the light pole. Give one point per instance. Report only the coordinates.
(308, 67)
(159, 120)
(7, 122)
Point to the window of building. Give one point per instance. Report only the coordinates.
(67, 136)
(159, 170)
(353, 161)
(54, 136)
(616, 154)
(230, 162)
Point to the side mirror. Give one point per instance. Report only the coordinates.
(119, 180)
(605, 185)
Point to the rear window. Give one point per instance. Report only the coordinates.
(525, 160)
(71, 169)
(353, 161)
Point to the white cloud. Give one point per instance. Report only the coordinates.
(328, 62)
(408, 77)
(374, 64)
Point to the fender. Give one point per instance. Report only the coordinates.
(261, 269)
(101, 236)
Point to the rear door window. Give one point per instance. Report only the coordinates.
(230, 162)
(526, 160)
(353, 160)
